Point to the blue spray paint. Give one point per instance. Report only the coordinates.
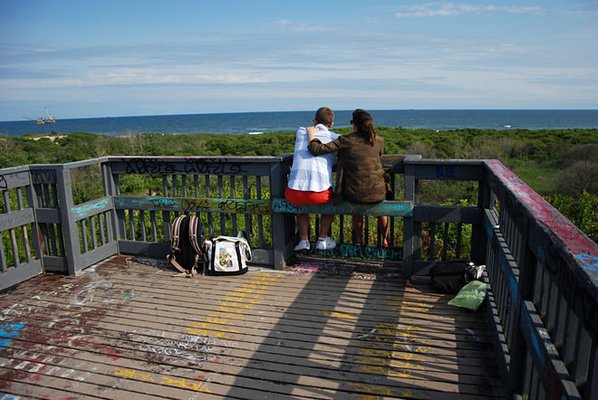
(589, 262)
(8, 332)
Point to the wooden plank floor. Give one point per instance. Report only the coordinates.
(126, 329)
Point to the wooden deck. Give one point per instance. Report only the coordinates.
(126, 329)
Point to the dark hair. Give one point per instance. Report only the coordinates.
(364, 125)
(325, 116)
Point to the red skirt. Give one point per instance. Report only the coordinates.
(304, 198)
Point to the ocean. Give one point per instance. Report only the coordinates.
(259, 122)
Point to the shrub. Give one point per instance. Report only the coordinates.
(581, 210)
(580, 177)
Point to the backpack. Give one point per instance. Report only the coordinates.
(187, 245)
(228, 255)
(451, 276)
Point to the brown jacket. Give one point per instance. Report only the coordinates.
(359, 174)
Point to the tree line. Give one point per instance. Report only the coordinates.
(561, 165)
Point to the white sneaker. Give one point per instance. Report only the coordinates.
(325, 244)
(302, 245)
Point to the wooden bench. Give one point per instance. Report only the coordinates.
(389, 208)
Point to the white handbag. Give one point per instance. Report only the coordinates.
(228, 255)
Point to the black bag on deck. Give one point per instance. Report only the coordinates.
(451, 276)
(187, 245)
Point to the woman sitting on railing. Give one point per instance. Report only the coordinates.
(360, 174)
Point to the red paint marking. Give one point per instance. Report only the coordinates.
(569, 234)
(108, 350)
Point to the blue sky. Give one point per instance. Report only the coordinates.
(89, 58)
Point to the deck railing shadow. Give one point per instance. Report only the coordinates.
(542, 271)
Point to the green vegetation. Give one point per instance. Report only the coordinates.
(562, 164)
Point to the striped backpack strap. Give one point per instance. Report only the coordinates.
(175, 238)
(197, 240)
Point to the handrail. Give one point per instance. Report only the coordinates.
(549, 270)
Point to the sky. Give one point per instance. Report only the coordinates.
(90, 58)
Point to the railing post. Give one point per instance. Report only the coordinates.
(411, 232)
(281, 222)
(479, 239)
(36, 235)
(70, 233)
(110, 190)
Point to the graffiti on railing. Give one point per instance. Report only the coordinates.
(589, 262)
(209, 166)
(162, 202)
(446, 171)
(43, 177)
(91, 208)
(349, 250)
(194, 204)
(389, 208)
(245, 206)
(3, 183)
(227, 205)
(149, 166)
(214, 166)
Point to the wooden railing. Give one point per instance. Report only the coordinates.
(542, 271)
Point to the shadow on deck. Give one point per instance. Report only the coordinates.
(127, 329)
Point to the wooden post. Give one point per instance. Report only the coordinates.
(411, 232)
(70, 233)
(281, 223)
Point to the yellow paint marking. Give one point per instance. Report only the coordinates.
(238, 298)
(384, 371)
(207, 333)
(249, 291)
(125, 373)
(340, 315)
(378, 390)
(213, 327)
(185, 384)
(163, 380)
(229, 307)
(243, 298)
(216, 320)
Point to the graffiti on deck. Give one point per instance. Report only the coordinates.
(162, 380)
(85, 295)
(195, 349)
(37, 363)
(217, 323)
(8, 332)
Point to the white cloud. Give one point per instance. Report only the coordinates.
(444, 9)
